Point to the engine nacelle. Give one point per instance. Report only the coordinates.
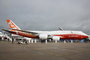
(55, 38)
(43, 36)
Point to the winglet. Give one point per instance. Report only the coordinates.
(60, 29)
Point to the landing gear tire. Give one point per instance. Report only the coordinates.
(42, 41)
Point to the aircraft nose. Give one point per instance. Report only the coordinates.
(85, 36)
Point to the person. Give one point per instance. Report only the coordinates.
(26, 41)
(8, 39)
(12, 40)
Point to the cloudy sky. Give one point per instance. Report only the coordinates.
(46, 14)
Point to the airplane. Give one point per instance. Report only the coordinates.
(44, 35)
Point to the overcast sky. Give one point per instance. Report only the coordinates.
(46, 14)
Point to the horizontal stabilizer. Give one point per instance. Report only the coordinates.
(8, 31)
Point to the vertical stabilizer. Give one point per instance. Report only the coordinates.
(12, 25)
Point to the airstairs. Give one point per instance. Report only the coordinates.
(10, 39)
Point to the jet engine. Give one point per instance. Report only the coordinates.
(55, 38)
(43, 36)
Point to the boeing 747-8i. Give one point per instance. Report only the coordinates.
(44, 35)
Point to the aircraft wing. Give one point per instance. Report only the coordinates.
(26, 31)
(34, 34)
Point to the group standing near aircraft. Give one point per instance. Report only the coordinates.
(44, 35)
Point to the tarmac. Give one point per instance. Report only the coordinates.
(43, 51)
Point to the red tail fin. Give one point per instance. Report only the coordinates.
(12, 25)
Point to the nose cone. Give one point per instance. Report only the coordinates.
(85, 36)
